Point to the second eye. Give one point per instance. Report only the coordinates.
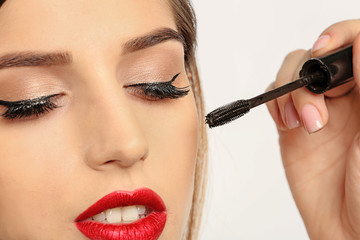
(158, 90)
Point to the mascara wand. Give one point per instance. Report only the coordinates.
(317, 74)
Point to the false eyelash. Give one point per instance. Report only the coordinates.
(159, 90)
(27, 108)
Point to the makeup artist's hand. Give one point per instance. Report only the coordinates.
(320, 141)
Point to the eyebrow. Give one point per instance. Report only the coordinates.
(153, 38)
(26, 59)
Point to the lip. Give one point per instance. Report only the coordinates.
(148, 228)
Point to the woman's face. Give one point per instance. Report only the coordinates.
(106, 134)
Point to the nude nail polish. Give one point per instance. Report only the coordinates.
(320, 43)
(311, 118)
(291, 116)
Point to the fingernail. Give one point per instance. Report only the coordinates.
(291, 116)
(311, 118)
(320, 43)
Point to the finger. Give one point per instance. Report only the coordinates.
(336, 36)
(352, 186)
(311, 109)
(274, 111)
(286, 106)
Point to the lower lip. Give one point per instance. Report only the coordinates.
(148, 228)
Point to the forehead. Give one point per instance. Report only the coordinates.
(60, 23)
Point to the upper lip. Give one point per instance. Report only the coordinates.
(142, 196)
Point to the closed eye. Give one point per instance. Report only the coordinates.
(158, 90)
(28, 108)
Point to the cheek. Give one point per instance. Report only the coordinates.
(32, 177)
(173, 141)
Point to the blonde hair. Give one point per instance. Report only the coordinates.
(185, 20)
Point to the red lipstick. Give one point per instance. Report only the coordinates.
(148, 228)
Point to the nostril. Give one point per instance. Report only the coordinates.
(145, 155)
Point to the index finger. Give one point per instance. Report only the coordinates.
(337, 35)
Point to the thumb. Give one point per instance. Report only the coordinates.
(352, 188)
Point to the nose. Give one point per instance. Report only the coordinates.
(113, 134)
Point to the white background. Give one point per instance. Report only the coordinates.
(241, 47)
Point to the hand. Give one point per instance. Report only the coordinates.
(320, 141)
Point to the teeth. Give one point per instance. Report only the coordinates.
(99, 217)
(130, 214)
(121, 214)
(113, 215)
(141, 210)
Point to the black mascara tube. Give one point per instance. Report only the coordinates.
(317, 74)
(335, 68)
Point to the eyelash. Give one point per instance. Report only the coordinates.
(30, 107)
(39, 106)
(159, 90)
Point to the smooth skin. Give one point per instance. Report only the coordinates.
(104, 138)
(320, 141)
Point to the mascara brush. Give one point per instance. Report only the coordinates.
(317, 74)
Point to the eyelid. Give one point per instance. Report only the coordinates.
(154, 91)
(27, 101)
(152, 83)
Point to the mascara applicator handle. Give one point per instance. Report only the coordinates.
(335, 69)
